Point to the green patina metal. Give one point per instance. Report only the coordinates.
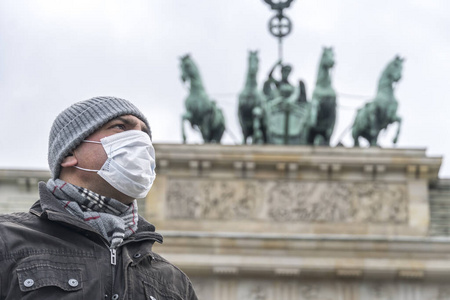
(280, 112)
(249, 99)
(322, 113)
(281, 119)
(201, 112)
(381, 111)
(274, 88)
(280, 25)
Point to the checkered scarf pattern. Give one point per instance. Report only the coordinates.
(114, 220)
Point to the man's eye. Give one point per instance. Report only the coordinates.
(119, 126)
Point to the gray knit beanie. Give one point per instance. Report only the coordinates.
(79, 121)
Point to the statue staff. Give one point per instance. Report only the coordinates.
(280, 25)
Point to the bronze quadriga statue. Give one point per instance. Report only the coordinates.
(281, 114)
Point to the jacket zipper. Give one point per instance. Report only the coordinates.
(113, 261)
(113, 256)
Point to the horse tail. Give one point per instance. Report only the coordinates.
(218, 122)
(233, 137)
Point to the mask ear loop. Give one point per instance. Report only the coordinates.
(93, 142)
(84, 169)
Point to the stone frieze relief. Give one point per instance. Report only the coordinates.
(281, 201)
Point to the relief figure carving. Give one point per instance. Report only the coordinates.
(292, 201)
(217, 200)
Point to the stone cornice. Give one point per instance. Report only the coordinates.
(412, 163)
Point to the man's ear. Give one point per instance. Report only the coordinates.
(69, 161)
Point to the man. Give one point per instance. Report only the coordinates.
(84, 239)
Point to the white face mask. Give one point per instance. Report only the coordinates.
(130, 166)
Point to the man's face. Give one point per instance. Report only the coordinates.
(93, 156)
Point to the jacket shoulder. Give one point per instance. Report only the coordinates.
(18, 217)
(169, 270)
(11, 229)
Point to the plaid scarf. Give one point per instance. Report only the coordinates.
(114, 220)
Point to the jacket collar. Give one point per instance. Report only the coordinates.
(48, 207)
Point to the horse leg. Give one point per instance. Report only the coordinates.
(216, 133)
(373, 120)
(313, 112)
(219, 133)
(185, 117)
(355, 136)
(242, 122)
(319, 140)
(399, 121)
(327, 137)
(329, 131)
(332, 124)
(373, 141)
(310, 136)
(258, 135)
(206, 133)
(245, 134)
(216, 128)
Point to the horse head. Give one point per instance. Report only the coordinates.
(327, 60)
(253, 62)
(394, 69)
(188, 68)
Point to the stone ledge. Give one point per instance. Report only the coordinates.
(330, 267)
(307, 237)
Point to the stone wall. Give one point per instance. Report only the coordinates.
(288, 288)
(274, 222)
(293, 189)
(440, 208)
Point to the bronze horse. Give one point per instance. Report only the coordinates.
(381, 111)
(201, 112)
(322, 113)
(250, 99)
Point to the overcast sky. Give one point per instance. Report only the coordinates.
(57, 52)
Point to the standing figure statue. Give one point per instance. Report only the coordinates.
(322, 114)
(201, 112)
(249, 99)
(274, 88)
(282, 116)
(381, 111)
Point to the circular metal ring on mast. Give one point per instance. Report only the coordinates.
(280, 26)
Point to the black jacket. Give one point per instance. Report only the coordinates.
(49, 254)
